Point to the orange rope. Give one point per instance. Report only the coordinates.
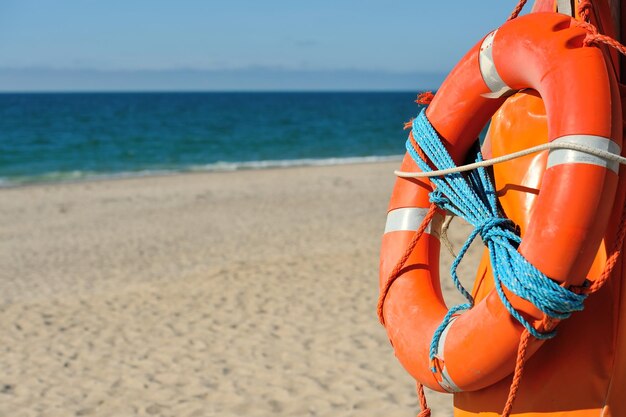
(398, 268)
(584, 9)
(611, 261)
(597, 39)
(517, 374)
(593, 37)
(517, 10)
(425, 411)
(425, 98)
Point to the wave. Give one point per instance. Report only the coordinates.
(220, 166)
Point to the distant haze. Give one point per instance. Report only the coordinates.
(237, 45)
(257, 79)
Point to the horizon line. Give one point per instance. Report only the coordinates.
(201, 91)
(234, 69)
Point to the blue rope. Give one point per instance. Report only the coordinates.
(473, 198)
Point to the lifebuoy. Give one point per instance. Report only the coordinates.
(543, 52)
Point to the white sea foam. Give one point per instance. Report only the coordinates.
(235, 166)
(73, 176)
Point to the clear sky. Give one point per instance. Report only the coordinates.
(126, 37)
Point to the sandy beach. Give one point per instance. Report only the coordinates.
(248, 293)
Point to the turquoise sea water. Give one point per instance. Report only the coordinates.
(58, 137)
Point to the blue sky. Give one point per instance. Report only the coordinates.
(120, 40)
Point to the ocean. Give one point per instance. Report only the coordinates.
(64, 137)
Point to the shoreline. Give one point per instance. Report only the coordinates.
(219, 167)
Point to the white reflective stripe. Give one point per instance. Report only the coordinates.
(410, 218)
(442, 339)
(570, 156)
(446, 382)
(488, 68)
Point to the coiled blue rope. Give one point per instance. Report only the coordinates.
(473, 198)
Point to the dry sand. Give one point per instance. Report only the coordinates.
(224, 294)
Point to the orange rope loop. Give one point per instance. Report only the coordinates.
(593, 36)
(517, 10)
(397, 270)
(597, 39)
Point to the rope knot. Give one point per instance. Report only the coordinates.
(584, 8)
(438, 198)
(492, 227)
(594, 37)
(424, 413)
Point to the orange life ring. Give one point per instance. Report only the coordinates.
(543, 52)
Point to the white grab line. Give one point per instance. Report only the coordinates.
(504, 158)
